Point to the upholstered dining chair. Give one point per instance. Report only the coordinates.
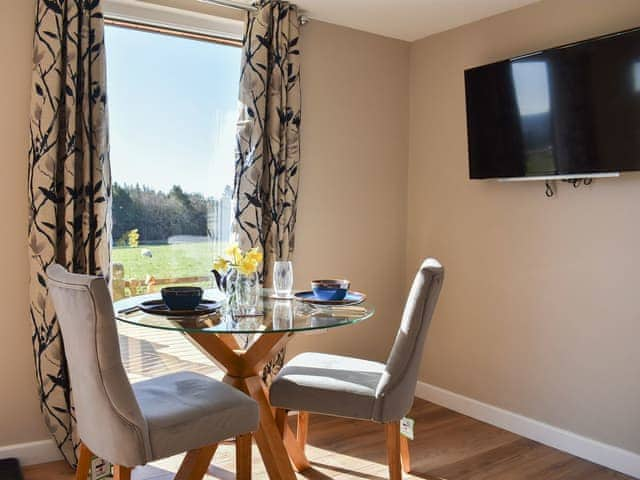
(362, 389)
(131, 425)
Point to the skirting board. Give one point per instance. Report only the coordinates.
(601, 453)
(32, 453)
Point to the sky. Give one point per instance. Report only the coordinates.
(172, 110)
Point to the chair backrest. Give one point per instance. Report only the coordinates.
(396, 388)
(109, 419)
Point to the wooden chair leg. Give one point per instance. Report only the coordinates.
(243, 457)
(303, 429)
(404, 453)
(121, 473)
(84, 462)
(281, 419)
(292, 442)
(196, 463)
(392, 431)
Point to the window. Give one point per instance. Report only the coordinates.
(172, 114)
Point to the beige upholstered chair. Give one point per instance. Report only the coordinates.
(133, 425)
(361, 389)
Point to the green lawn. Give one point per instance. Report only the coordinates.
(168, 261)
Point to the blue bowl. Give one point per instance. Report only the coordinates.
(182, 298)
(330, 289)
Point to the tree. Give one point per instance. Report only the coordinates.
(157, 215)
(123, 211)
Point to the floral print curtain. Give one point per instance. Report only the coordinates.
(69, 183)
(268, 134)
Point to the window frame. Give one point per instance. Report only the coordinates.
(173, 21)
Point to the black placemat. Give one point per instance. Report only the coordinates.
(10, 469)
(158, 307)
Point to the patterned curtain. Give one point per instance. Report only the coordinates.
(69, 183)
(268, 140)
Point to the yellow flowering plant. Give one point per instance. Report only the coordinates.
(246, 263)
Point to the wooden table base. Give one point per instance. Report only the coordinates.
(243, 370)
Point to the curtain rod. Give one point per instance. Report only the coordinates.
(247, 8)
(231, 4)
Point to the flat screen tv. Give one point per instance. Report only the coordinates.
(568, 111)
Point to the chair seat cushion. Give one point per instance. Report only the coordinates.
(187, 410)
(328, 384)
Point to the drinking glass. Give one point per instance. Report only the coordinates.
(283, 278)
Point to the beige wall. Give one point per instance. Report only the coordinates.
(20, 419)
(351, 221)
(540, 312)
(353, 192)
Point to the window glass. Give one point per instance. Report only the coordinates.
(172, 114)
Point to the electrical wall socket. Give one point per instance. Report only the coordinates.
(406, 427)
(100, 469)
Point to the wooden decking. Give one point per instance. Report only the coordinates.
(150, 352)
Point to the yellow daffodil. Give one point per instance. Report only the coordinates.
(255, 255)
(247, 265)
(220, 265)
(234, 252)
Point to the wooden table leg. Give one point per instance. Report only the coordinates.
(243, 370)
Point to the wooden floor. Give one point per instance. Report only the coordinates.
(448, 446)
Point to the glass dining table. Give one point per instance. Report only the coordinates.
(242, 345)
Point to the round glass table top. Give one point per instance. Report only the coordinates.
(272, 315)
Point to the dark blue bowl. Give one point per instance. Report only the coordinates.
(330, 289)
(182, 298)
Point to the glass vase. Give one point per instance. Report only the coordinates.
(247, 293)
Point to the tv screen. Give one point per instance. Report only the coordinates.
(564, 111)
